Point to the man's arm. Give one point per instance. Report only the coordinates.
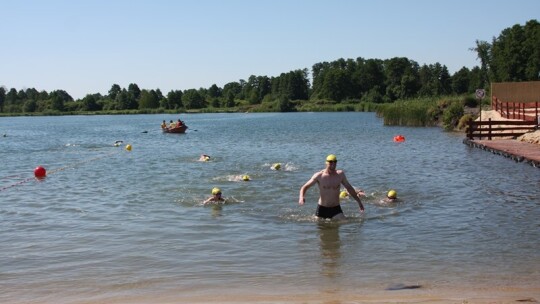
(352, 192)
(306, 186)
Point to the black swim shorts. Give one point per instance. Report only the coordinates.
(328, 212)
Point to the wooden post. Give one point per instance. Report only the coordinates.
(536, 112)
(469, 129)
(489, 129)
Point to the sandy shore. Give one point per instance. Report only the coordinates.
(421, 295)
(531, 137)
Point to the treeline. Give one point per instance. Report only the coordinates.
(513, 56)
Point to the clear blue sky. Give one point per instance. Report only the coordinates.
(87, 46)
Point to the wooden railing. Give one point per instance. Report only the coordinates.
(499, 128)
(516, 100)
(516, 110)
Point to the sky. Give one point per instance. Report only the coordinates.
(86, 46)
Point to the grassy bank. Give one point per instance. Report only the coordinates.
(446, 112)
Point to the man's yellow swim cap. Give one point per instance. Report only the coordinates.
(392, 194)
(331, 157)
(216, 191)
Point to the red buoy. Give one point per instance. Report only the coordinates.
(399, 138)
(40, 172)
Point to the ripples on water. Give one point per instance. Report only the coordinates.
(108, 223)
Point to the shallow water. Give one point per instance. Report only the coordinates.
(107, 223)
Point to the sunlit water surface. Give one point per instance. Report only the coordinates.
(108, 223)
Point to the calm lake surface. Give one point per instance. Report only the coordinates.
(108, 223)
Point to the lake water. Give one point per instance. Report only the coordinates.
(108, 224)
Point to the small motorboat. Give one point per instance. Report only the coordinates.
(177, 129)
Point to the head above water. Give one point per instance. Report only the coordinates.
(216, 191)
(392, 194)
(331, 158)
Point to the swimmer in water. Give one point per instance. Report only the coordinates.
(391, 197)
(329, 181)
(204, 157)
(215, 198)
(345, 195)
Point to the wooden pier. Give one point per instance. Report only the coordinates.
(517, 150)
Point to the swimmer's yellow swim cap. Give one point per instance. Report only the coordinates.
(392, 194)
(343, 194)
(276, 166)
(331, 157)
(245, 178)
(215, 191)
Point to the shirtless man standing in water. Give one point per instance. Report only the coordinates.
(330, 181)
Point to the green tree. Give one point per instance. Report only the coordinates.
(476, 77)
(30, 106)
(134, 91)
(32, 93)
(12, 96)
(174, 99)
(59, 98)
(229, 99)
(515, 55)
(214, 91)
(122, 100)
(483, 51)
(335, 85)
(2, 98)
(285, 104)
(461, 81)
(395, 68)
(192, 99)
(435, 80)
(21, 95)
(233, 88)
(114, 91)
(410, 81)
(57, 103)
(89, 103)
(149, 100)
(133, 96)
(370, 77)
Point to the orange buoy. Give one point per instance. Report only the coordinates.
(40, 172)
(399, 138)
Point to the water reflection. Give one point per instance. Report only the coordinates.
(330, 244)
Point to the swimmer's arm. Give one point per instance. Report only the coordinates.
(352, 192)
(306, 186)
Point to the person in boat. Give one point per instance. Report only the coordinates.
(179, 123)
(329, 181)
(215, 198)
(164, 124)
(172, 124)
